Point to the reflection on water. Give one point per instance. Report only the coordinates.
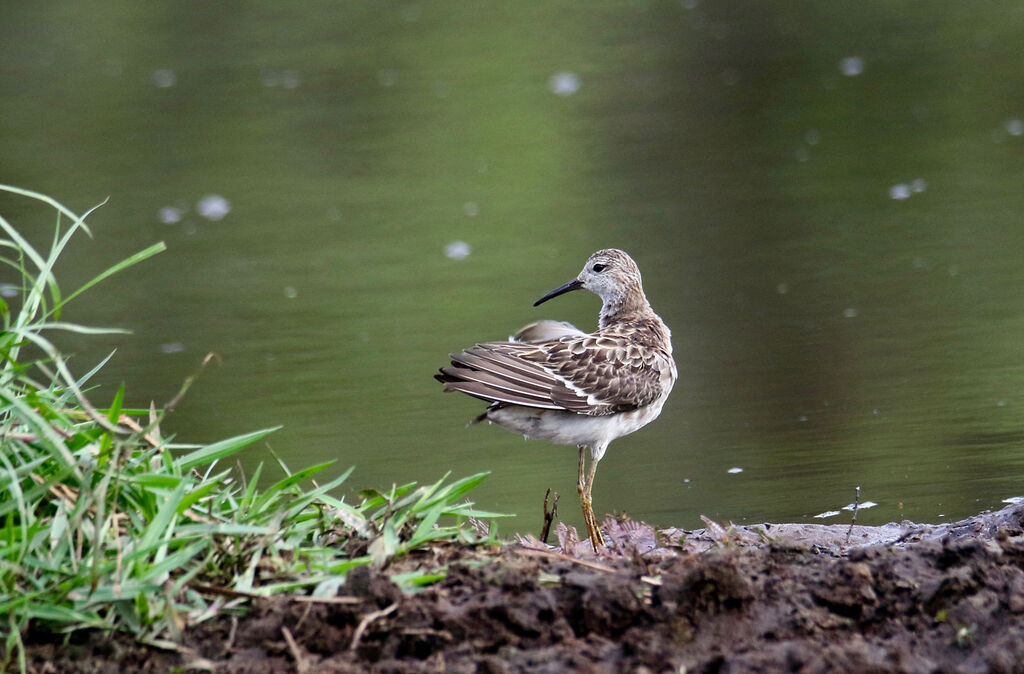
(825, 200)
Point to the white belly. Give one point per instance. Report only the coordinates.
(568, 428)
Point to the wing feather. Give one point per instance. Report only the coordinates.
(593, 374)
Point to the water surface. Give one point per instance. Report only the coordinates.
(825, 200)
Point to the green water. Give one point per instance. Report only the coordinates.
(825, 199)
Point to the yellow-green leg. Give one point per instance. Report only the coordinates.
(583, 488)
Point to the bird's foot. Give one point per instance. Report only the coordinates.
(593, 529)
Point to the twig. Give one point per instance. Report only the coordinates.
(428, 632)
(563, 557)
(549, 516)
(302, 599)
(365, 622)
(305, 614)
(300, 662)
(125, 420)
(856, 506)
(173, 402)
(231, 635)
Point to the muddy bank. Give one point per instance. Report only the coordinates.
(900, 598)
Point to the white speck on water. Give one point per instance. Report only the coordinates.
(686, 480)
(564, 83)
(387, 77)
(782, 288)
(172, 347)
(827, 513)
(9, 290)
(164, 78)
(850, 312)
(291, 292)
(733, 471)
(285, 79)
(457, 250)
(802, 418)
(863, 506)
(1014, 499)
(899, 191)
(213, 207)
(1015, 127)
(471, 208)
(1001, 403)
(851, 66)
(874, 411)
(812, 137)
(170, 215)
(918, 185)
(334, 214)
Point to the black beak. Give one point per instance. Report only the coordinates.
(574, 284)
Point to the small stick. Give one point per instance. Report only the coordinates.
(340, 599)
(856, 505)
(365, 622)
(534, 552)
(231, 635)
(549, 517)
(300, 662)
(305, 614)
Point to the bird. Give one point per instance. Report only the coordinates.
(554, 382)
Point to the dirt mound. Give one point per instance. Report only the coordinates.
(930, 599)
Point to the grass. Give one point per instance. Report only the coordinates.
(105, 523)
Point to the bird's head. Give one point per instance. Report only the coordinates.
(610, 274)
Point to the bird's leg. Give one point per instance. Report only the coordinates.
(581, 485)
(581, 481)
(596, 537)
(583, 488)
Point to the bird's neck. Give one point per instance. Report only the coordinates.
(626, 306)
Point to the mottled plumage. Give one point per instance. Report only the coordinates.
(555, 382)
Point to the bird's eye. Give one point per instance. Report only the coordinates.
(599, 267)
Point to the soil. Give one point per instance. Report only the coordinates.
(800, 598)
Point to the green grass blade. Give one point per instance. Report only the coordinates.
(158, 528)
(138, 257)
(457, 489)
(219, 450)
(63, 614)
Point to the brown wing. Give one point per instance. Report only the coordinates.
(589, 374)
(603, 375)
